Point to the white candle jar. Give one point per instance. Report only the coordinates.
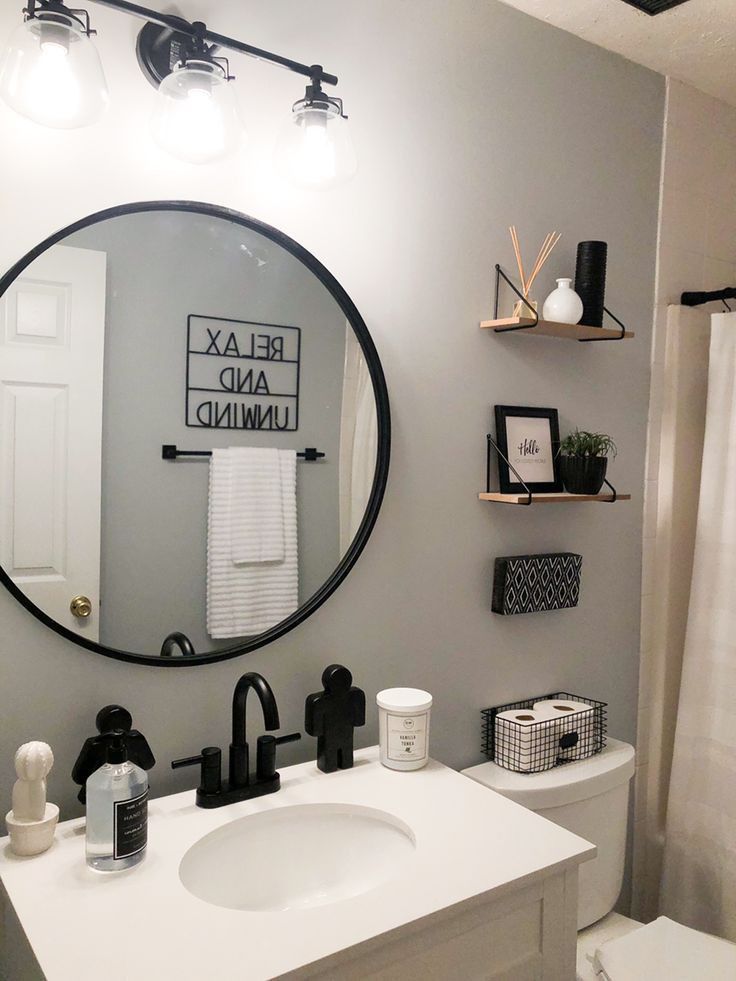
(403, 727)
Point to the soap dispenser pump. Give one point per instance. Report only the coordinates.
(117, 810)
(94, 752)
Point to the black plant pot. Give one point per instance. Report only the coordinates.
(583, 474)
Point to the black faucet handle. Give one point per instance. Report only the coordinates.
(210, 781)
(293, 737)
(266, 753)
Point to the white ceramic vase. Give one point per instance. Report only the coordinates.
(563, 305)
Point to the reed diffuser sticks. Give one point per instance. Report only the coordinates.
(550, 241)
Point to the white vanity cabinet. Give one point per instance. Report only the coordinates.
(488, 891)
(527, 935)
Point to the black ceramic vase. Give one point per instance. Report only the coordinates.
(583, 474)
(590, 281)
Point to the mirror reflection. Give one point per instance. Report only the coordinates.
(188, 433)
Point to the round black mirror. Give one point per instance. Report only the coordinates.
(194, 432)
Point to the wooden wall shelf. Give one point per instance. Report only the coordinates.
(562, 498)
(550, 328)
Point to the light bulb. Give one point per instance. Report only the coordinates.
(314, 149)
(53, 38)
(53, 49)
(51, 73)
(196, 117)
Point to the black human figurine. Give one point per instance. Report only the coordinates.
(331, 715)
(94, 752)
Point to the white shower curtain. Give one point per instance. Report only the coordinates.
(676, 441)
(358, 440)
(699, 879)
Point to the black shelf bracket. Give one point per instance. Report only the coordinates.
(594, 340)
(500, 274)
(613, 491)
(490, 442)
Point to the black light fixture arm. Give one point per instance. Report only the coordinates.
(62, 12)
(197, 49)
(314, 96)
(178, 24)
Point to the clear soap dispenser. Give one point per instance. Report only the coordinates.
(117, 811)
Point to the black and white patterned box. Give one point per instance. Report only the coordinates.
(536, 583)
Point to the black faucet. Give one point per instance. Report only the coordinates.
(177, 639)
(241, 785)
(239, 763)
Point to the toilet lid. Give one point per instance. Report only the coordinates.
(665, 949)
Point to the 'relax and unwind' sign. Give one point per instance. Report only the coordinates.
(242, 375)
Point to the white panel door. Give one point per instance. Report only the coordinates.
(52, 333)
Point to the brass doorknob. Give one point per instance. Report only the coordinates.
(81, 606)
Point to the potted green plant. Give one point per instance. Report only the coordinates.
(584, 460)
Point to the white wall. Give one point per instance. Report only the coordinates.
(467, 117)
(696, 251)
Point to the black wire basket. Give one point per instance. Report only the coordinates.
(530, 747)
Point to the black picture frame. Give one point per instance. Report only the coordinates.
(544, 442)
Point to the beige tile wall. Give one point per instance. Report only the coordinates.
(696, 251)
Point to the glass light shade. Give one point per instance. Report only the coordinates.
(314, 149)
(51, 73)
(196, 117)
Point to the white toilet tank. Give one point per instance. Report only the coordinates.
(589, 798)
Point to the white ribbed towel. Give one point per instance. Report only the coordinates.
(248, 597)
(256, 505)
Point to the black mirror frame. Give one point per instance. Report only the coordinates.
(382, 411)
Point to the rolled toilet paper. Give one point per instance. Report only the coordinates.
(560, 707)
(572, 718)
(526, 740)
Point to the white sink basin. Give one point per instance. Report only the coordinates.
(297, 857)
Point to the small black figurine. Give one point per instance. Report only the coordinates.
(331, 715)
(94, 752)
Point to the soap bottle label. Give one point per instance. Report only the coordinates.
(130, 826)
(407, 737)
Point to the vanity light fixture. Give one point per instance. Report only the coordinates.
(196, 115)
(315, 149)
(51, 73)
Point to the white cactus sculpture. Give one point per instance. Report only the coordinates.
(33, 762)
(32, 821)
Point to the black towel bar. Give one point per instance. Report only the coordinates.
(169, 451)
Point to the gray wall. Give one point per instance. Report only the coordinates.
(160, 268)
(478, 117)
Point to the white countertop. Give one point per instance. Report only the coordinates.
(143, 924)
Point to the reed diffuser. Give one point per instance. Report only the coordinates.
(522, 308)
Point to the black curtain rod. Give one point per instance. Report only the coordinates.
(695, 299)
(183, 26)
(169, 451)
